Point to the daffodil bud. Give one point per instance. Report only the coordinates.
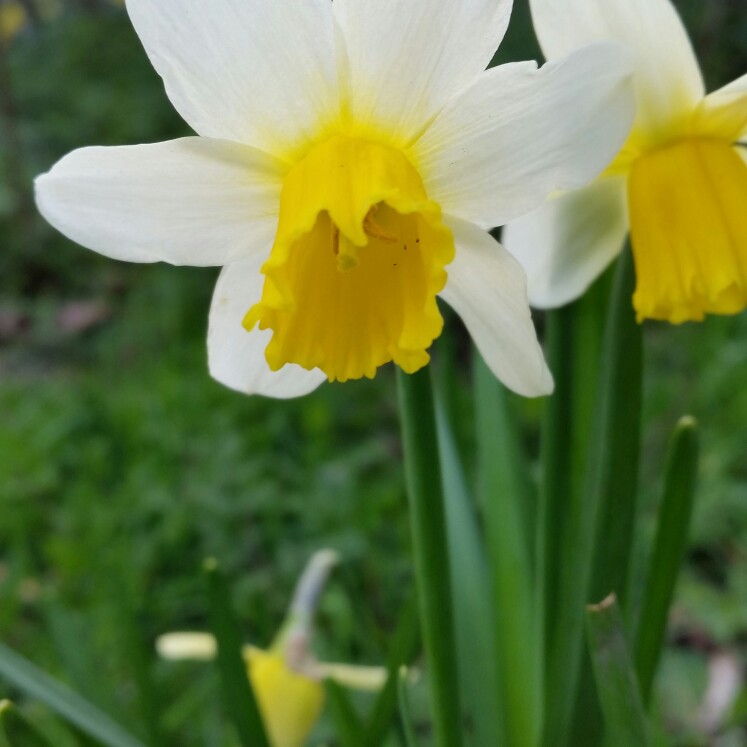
(290, 703)
(287, 679)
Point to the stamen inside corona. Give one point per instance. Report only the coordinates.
(373, 229)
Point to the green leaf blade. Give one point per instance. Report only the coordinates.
(404, 647)
(474, 616)
(617, 685)
(238, 695)
(405, 711)
(506, 501)
(63, 701)
(673, 522)
(16, 730)
(348, 725)
(587, 503)
(430, 548)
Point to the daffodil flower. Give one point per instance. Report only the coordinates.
(351, 155)
(679, 185)
(287, 678)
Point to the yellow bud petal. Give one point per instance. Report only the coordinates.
(290, 703)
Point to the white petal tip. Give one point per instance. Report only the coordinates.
(236, 357)
(541, 384)
(548, 384)
(282, 384)
(179, 645)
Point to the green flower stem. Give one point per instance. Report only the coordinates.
(611, 482)
(579, 515)
(669, 549)
(474, 616)
(574, 346)
(506, 500)
(615, 451)
(573, 353)
(432, 569)
(555, 495)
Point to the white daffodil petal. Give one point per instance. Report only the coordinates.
(737, 88)
(487, 288)
(407, 59)
(668, 79)
(193, 201)
(237, 357)
(258, 72)
(179, 645)
(723, 113)
(498, 150)
(568, 242)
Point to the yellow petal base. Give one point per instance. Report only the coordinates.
(688, 223)
(290, 703)
(357, 262)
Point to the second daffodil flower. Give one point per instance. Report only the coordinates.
(679, 184)
(351, 155)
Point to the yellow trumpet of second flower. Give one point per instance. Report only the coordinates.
(679, 184)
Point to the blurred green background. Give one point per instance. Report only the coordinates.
(123, 465)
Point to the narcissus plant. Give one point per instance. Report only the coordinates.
(679, 185)
(351, 155)
(286, 678)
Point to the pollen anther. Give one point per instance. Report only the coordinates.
(374, 230)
